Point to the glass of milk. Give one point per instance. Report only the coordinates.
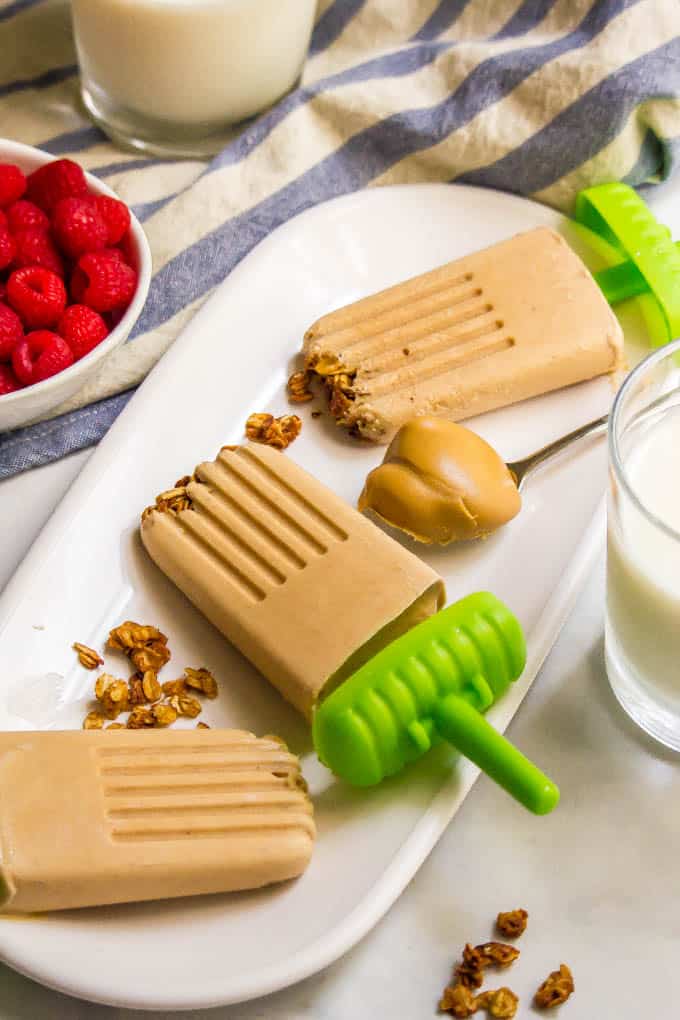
(642, 637)
(169, 76)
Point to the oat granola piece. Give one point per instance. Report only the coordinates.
(93, 721)
(201, 680)
(136, 695)
(298, 388)
(185, 704)
(150, 686)
(171, 687)
(112, 695)
(276, 432)
(498, 954)
(500, 1003)
(556, 988)
(163, 714)
(459, 1001)
(151, 657)
(470, 972)
(512, 923)
(140, 718)
(202, 726)
(115, 726)
(87, 657)
(130, 635)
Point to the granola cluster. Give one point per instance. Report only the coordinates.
(298, 387)
(338, 381)
(556, 988)
(512, 923)
(149, 704)
(461, 999)
(276, 432)
(173, 500)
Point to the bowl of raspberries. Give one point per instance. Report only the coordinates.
(75, 268)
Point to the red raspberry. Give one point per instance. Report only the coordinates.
(35, 248)
(82, 329)
(8, 248)
(12, 183)
(60, 179)
(25, 215)
(113, 253)
(102, 282)
(3, 291)
(11, 331)
(3, 222)
(116, 215)
(39, 355)
(78, 227)
(37, 294)
(8, 381)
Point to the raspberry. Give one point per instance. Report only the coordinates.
(113, 253)
(82, 329)
(39, 355)
(3, 291)
(102, 282)
(37, 294)
(8, 381)
(78, 227)
(116, 216)
(34, 247)
(12, 184)
(25, 215)
(11, 331)
(60, 179)
(3, 222)
(8, 248)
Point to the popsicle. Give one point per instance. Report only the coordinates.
(137, 815)
(515, 320)
(305, 586)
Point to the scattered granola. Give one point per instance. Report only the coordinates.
(500, 1003)
(87, 657)
(140, 718)
(498, 954)
(149, 703)
(512, 923)
(298, 388)
(556, 988)
(338, 380)
(459, 1001)
(469, 972)
(173, 500)
(201, 680)
(202, 726)
(115, 726)
(112, 694)
(93, 721)
(164, 715)
(185, 704)
(276, 432)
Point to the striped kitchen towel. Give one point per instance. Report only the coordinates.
(540, 97)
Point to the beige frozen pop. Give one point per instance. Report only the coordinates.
(304, 585)
(520, 318)
(135, 815)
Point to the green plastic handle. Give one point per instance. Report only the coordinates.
(468, 731)
(433, 682)
(618, 214)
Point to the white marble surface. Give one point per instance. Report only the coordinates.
(598, 876)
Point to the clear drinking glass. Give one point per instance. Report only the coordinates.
(169, 76)
(642, 637)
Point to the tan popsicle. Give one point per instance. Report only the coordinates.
(92, 817)
(515, 320)
(305, 586)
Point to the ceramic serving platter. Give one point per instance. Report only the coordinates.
(88, 572)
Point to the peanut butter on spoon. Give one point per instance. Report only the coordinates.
(440, 482)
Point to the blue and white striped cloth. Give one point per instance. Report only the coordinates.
(540, 97)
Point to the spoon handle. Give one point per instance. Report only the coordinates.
(521, 469)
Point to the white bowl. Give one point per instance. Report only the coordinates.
(23, 406)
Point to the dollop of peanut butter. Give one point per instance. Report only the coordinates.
(440, 482)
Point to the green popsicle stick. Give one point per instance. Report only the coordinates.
(433, 682)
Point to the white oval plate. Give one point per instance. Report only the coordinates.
(87, 572)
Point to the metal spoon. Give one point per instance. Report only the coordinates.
(521, 469)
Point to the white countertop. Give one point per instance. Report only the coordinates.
(597, 877)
